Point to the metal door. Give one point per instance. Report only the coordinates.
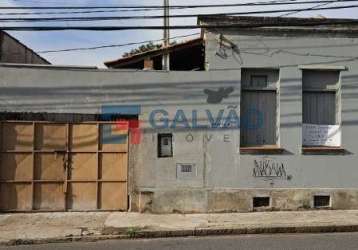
(61, 166)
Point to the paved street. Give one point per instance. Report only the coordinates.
(339, 241)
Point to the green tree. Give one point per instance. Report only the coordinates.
(144, 48)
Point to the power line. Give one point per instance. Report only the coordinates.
(269, 3)
(313, 23)
(312, 8)
(69, 12)
(354, 58)
(111, 45)
(105, 18)
(309, 54)
(289, 2)
(242, 50)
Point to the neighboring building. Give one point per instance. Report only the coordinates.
(270, 125)
(13, 51)
(184, 56)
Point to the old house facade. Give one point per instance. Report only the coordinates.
(269, 125)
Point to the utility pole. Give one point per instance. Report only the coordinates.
(166, 37)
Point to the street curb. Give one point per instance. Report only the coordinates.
(243, 231)
(145, 234)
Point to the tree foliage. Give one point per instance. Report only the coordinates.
(144, 48)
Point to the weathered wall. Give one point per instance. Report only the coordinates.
(12, 51)
(58, 90)
(225, 180)
(288, 53)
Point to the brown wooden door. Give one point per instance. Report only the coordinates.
(49, 166)
(57, 167)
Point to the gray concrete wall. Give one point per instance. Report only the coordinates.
(224, 179)
(289, 53)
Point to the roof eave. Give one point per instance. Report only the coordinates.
(153, 53)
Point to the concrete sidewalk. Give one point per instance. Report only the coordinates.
(64, 227)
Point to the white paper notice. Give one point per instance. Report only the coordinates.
(322, 135)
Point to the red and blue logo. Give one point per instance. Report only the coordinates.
(118, 132)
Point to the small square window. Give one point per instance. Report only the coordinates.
(165, 145)
(259, 81)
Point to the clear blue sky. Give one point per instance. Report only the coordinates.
(69, 39)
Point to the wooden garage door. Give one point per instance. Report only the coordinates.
(57, 167)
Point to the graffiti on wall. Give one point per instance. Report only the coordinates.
(270, 168)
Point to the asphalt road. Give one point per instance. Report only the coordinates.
(337, 241)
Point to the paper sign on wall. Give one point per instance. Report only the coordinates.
(322, 135)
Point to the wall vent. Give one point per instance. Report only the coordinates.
(186, 168)
(261, 202)
(186, 171)
(321, 201)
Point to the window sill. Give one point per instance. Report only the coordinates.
(271, 150)
(323, 151)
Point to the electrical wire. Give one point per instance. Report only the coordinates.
(312, 8)
(174, 27)
(242, 50)
(66, 12)
(262, 3)
(269, 3)
(106, 18)
(112, 45)
(312, 23)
